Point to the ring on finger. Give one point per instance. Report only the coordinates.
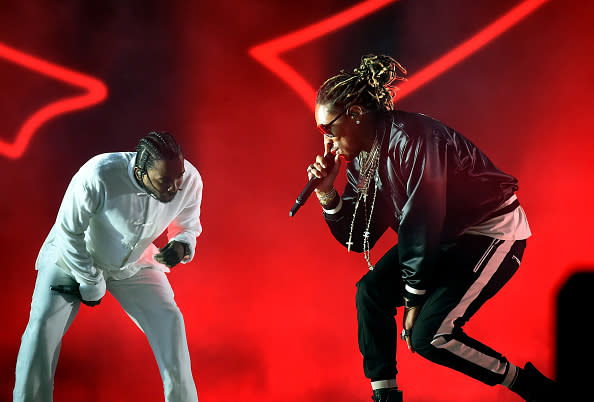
(405, 333)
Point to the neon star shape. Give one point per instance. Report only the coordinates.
(94, 92)
(268, 53)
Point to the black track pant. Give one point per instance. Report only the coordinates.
(466, 276)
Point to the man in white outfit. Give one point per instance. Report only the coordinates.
(116, 205)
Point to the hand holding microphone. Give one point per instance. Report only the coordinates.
(74, 290)
(172, 254)
(321, 174)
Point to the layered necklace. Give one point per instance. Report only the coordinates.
(369, 170)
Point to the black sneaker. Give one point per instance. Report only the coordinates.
(387, 395)
(537, 387)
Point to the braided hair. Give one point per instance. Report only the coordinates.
(369, 86)
(153, 147)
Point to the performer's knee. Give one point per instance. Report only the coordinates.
(364, 296)
(33, 330)
(38, 332)
(423, 339)
(367, 287)
(422, 344)
(173, 315)
(362, 289)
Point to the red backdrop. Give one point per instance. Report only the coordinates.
(269, 300)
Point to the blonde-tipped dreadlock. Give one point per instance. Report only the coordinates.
(369, 86)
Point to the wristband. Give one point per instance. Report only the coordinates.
(326, 198)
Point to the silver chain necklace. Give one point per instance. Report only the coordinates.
(368, 171)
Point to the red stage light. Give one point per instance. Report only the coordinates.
(95, 92)
(268, 53)
(470, 46)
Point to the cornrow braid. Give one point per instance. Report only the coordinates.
(156, 146)
(370, 85)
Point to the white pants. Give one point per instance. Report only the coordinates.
(147, 297)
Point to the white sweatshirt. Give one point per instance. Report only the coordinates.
(107, 223)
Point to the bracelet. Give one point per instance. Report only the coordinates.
(326, 198)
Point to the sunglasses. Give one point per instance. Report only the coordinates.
(325, 128)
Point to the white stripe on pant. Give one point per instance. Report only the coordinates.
(446, 328)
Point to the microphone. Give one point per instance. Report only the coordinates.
(311, 185)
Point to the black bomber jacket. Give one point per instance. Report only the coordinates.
(433, 185)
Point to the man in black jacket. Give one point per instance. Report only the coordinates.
(461, 230)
